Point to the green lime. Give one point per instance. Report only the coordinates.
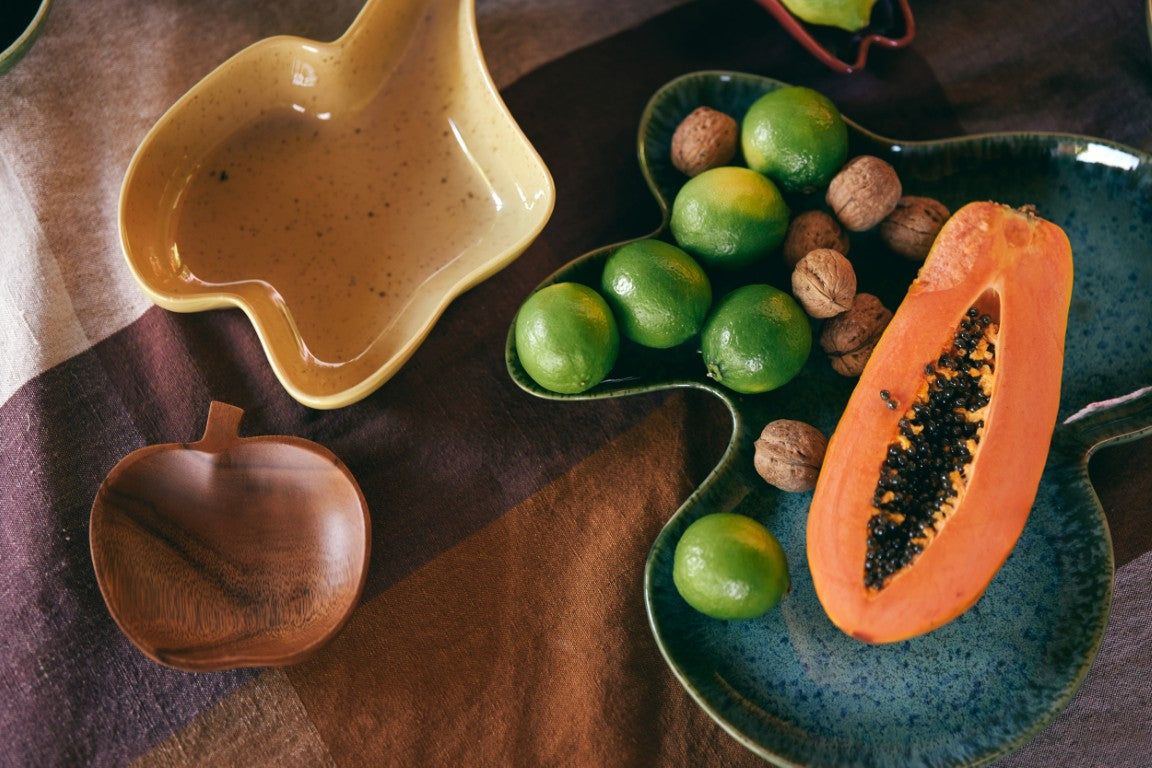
(659, 294)
(566, 337)
(796, 137)
(728, 566)
(756, 339)
(729, 217)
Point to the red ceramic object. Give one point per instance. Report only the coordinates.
(863, 40)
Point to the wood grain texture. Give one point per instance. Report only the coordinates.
(230, 552)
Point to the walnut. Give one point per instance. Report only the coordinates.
(864, 191)
(704, 139)
(824, 283)
(849, 338)
(811, 230)
(789, 454)
(912, 226)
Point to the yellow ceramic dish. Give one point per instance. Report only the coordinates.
(341, 194)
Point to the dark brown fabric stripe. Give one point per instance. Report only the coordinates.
(74, 691)
(149, 384)
(1122, 477)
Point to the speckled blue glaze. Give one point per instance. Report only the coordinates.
(789, 685)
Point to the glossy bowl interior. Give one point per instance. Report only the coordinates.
(230, 551)
(789, 685)
(341, 194)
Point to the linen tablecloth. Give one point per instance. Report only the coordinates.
(502, 622)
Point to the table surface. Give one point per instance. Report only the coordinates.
(502, 622)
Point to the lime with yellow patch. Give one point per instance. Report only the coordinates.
(756, 339)
(658, 293)
(729, 217)
(729, 566)
(796, 137)
(849, 15)
(566, 337)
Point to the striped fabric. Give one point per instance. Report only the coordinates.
(503, 620)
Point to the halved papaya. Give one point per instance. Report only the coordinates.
(932, 470)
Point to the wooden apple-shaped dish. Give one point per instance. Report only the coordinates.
(229, 551)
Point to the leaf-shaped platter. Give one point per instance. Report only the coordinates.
(341, 194)
(789, 685)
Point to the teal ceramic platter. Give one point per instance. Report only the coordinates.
(789, 685)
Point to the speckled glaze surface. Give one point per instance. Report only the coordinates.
(341, 194)
(17, 48)
(789, 685)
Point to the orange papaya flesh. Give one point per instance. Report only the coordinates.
(931, 472)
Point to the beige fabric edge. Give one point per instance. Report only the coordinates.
(262, 723)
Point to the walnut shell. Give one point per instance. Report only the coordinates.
(704, 139)
(912, 226)
(789, 454)
(849, 338)
(811, 230)
(824, 283)
(864, 192)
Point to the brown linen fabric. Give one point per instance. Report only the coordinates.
(262, 722)
(519, 645)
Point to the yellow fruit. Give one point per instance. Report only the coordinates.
(729, 217)
(850, 15)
